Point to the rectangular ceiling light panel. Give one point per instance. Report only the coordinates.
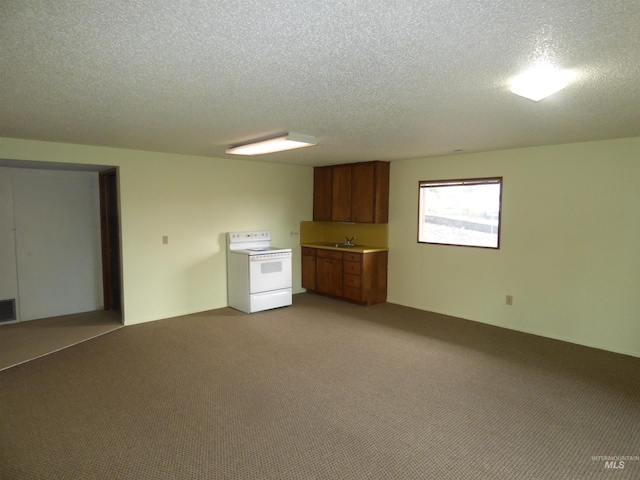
(274, 144)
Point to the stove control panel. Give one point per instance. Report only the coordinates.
(237, 237)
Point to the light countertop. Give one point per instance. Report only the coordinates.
(355, 249)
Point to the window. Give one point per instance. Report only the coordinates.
(461, 212)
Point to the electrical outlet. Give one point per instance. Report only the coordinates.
(509, 299)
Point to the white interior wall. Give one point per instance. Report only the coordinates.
(8, 273)
(571, 226)
(194, 201)
(55, 268)
(569, 245)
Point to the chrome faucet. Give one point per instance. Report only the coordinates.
(350, 240)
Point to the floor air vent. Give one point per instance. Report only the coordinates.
(7, 310)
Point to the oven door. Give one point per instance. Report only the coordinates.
(269, 272)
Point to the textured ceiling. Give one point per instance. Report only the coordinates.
(377, 79)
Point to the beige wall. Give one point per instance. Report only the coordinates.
(570, 234)
(194, 201)
(570, 245)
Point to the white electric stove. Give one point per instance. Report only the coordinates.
(258, 275)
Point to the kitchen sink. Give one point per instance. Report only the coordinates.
(342, 245)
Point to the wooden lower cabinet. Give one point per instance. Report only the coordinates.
(329, 272)
(357, 277)
(308, 268)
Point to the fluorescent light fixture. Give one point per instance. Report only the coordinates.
(287, 141)
(540, 82)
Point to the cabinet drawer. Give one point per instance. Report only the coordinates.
(352, 293)
(352, 257)
(334, 254)
(309, 251)
(351, 280)
(351, 267)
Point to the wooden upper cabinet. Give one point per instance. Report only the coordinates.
(322, 194)
(356, 192)
(363, 177)
(341, 193)
(381, 192)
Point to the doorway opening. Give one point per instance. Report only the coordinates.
(107, 235)
(35, 334)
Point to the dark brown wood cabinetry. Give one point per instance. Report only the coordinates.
(356, 192)
(341, 193)
(309, 268)
(358, 277)
(329, 272)
(322, 194)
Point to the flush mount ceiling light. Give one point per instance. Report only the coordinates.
(287, 141)
(540, 82)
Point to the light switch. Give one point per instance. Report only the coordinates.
(165, 239)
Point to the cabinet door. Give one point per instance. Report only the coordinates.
(374, 277)
(362, 192)
(322, 194)
(370, 192)
(341, 193)
(329, 272)
(308, 268)
(381, 192)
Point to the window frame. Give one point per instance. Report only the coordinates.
(460, 182)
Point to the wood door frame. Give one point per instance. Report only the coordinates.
(109, 276)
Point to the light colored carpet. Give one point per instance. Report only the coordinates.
(24, 341)
(320, 390)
